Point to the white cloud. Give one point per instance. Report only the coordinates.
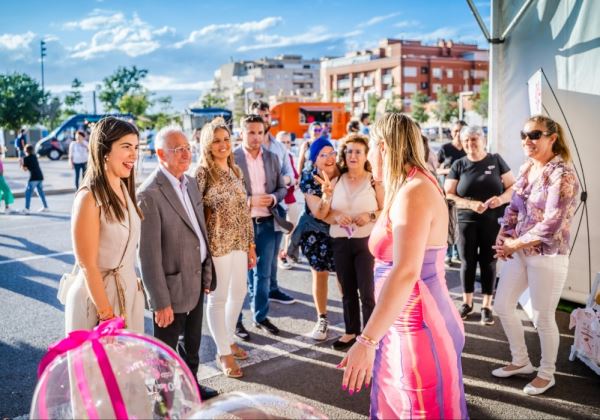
(96, 20)
(229, 33)
(155, 83)
(314, 35)
(377, 19)
(133, 37)
(407, 23)
(13, 42)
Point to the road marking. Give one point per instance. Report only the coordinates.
(261, 353)
(28, 226)
(36, 257)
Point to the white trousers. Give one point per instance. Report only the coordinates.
(545, 275)
(225, 302)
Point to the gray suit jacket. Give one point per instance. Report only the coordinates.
(169, 247)
(274, 181)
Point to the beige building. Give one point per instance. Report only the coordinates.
(283, 75)
(399, 68)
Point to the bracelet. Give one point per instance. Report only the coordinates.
(366, 341)
(105, 314)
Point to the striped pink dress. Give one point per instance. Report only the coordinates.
(417, 371)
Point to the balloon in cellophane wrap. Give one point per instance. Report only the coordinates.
(254, 405)
(113, 373)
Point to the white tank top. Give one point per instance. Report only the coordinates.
(353, 203)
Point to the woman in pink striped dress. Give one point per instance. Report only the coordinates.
(411, 346)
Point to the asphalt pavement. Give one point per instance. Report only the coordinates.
(36, 249)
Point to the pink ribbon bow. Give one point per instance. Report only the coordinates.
(112, 327)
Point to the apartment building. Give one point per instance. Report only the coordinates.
(399, 68)
(265, 78)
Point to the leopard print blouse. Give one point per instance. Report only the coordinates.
(227, 213)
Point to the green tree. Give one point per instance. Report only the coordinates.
(135, 104)
(124, 81)
(52, 115)
(418, 102)
(21, 100)
(395, 104)
(210, 100)
(74, 98)
(480, 101)
(372, 101)
(447, 107)
(238, 105)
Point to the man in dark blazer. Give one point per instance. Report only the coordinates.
(177, 269)
(265, 189)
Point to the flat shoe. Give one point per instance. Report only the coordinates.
(229, 372)
(503, 373)
(240, 354)
(341, 345)
(534, 390)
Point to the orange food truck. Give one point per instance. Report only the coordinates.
(295, 117)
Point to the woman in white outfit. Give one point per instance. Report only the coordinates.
(106, 231)
(534, 242)
(230, 237)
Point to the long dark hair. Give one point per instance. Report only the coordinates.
(107, 131)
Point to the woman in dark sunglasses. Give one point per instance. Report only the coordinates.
(534, 242)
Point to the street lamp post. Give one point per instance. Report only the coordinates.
(42, 55)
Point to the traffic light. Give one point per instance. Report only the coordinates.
(43, 48)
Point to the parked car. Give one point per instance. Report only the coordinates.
(56, 144)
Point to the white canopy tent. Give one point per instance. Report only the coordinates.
(556, 46)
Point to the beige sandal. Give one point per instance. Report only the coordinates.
(229, 372)
(239, 353)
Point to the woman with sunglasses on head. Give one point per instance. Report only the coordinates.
(312, 233)
(412, 344)
(534, 242)
(315, 130)
(356, 202)
(230, 238)
(481, 184)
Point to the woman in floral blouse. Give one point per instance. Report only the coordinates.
(534, 242)
(230, 238)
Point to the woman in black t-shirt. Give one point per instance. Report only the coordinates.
(481, 184)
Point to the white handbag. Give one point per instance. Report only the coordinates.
(66, 281)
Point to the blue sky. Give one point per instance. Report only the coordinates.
(182, 43)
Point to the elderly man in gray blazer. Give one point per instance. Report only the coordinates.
(265, 189)
(175, 261)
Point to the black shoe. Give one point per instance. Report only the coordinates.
(340, 345)
(465, 310)
(486, 316)
(265, 324)
(207, 393)
(241, 332)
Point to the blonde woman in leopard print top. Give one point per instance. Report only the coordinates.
(230, 237)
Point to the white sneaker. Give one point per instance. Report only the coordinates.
(285, 264)
(43, 210)
(11, 211)
(503, 373)
(319, 333)
(25, 211)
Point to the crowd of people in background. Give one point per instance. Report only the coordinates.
(375, 216)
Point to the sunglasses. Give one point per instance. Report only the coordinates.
(534, 135)
(317, 130)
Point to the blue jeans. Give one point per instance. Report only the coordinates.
(273, 286)
(34, 185)
(80, 168)
(259, 277)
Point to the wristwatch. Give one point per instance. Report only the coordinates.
(372, 216)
